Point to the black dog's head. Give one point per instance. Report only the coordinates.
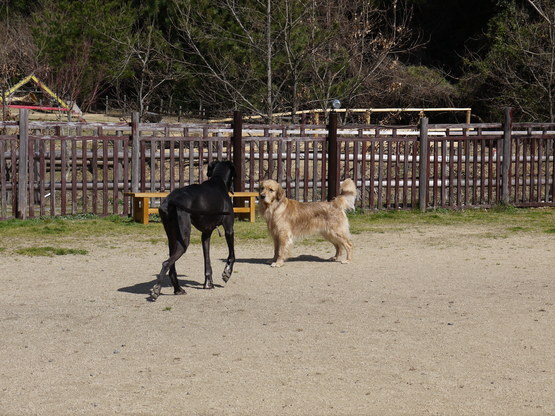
(222, 169)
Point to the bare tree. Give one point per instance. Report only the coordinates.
(362, 42)
(264, 55)
(227, 52)
(148, 64)
(519, 69)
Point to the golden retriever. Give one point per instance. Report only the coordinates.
(288, 219)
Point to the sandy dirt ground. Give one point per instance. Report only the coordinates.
(439, 321)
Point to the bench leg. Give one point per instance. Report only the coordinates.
(144, 210)
(252, 206)
(136, 210)
(140, 209)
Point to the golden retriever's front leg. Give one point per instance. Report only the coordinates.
(280, 250)
(349, 250)
(337, 252)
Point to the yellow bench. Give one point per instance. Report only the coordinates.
(142, 209)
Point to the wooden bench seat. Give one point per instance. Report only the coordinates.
(244, 204)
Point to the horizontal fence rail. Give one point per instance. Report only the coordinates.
(51, 168)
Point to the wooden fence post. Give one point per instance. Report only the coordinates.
(23, 173)
(506, 160)
(238, 154)
(333, 162)
(423, 176)
(135, 149)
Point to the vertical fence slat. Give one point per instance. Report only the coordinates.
(95, 176)
(423, 173)
(414, 189)
(388, 173)
(451, 196)
(445, 178)
(126, 177)
(84, 167)
(32, 179)
(288, 164)
(315, 170)
(104, 176)
(380, 171)
(3, 182)
(372, 190)
(363, 156)
(23, 179)
(63, 169)
(74, 177)
(181, 166)
(115, 175)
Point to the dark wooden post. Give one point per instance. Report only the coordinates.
(238, 154)
(423, 176)
(506, 160)
(135, 149)
(333, 162)
(23, 173)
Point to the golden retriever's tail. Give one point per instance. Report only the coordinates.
(348, 195)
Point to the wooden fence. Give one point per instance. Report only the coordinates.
(50, 168)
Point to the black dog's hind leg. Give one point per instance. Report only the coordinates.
(208, 284)
(178, 230)
(229, 238)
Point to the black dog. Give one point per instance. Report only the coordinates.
(206, 206)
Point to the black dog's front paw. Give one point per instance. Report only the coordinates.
(154, 293)
(181, 291)
(226, 274)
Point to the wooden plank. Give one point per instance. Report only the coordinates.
(423, 172)
(115, 176)
(3, 183)
(32, 179)
(63, 180)
(104, 176)
(74, 177)
(52, 167)
(95, 177)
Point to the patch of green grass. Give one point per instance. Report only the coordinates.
(114, 229)
(49, 251)
(524, 220)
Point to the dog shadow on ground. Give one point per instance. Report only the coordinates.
(302, 257)
(144, 287)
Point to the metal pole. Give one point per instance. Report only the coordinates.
(333, 162)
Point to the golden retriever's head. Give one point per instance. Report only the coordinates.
(271, 191)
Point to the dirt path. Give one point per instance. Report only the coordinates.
(442, 321)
